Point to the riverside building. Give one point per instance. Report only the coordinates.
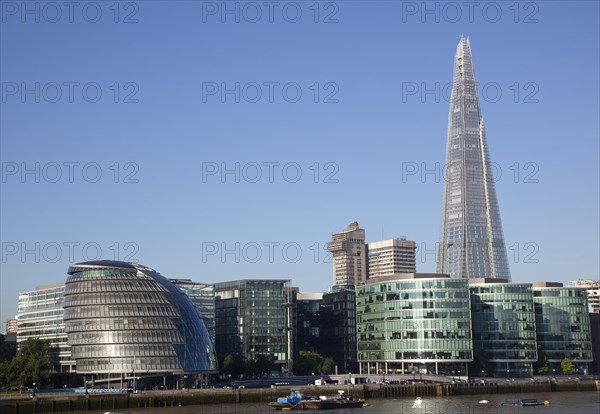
(308, 325)
(593, 291)
(504, 328)
(338, 327)
(253, 317)
(127, 322)
(414, 323)
(40, 316)
(563, 325)
(202, 296)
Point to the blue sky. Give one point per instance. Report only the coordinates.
(161, 128)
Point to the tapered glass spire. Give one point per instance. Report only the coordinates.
(471, 240)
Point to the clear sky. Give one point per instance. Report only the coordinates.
(126, 116)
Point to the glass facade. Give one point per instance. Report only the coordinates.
(595, 334)
(202, 296)
(593, 291)
(338, 327)
(123, 317)
(504, 330)
(253, 317)
(412, 323)
(307, 326)
(40, 316)
(471, 240)
(563, 325)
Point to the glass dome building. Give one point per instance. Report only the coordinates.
(124, 317)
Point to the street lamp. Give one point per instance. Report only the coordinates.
(483, 375)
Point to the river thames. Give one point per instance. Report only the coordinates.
(560, 403)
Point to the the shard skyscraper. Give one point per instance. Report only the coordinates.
(471, 240)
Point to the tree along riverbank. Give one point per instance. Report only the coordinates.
(155, 399)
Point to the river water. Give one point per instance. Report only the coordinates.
(560, 403)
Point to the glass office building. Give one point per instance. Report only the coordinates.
(253, 317)
(471, 240)
(308, 335)
(414, 323)
(202, 296)
(594, 366)
(563, 325)
(40, 316)
(123, 317)
(504, 331)
(593, 291)
(338, 327)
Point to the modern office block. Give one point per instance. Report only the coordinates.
(389, 257)
(349, 257)
(471, 240)
(338, 327)
(563, 325)
(414, 323)
(595, 334)
(9, 346)
(308, 325)
(593, 291)
(504, 330)
(252, 318)
(40, 316)
(123, 318)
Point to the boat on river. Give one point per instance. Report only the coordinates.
(524, 402)
(297, 401)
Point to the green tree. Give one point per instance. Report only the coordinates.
(541, 365)
(263, 365)
(5, 374)
(233, 366)
(328, 366)
(31, 364)
(249, 368)
(307, 363)
(566, 366)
